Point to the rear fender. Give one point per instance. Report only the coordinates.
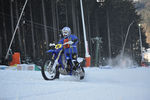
(80, 59)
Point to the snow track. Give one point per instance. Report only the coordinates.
(99, 84)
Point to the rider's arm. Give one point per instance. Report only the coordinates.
(75, 40)
(61, 41)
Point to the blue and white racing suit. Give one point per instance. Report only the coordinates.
(72, 48)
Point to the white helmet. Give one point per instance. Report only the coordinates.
(66, 31)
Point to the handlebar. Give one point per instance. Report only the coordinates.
(53, 44)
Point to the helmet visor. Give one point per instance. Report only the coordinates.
(65, 33)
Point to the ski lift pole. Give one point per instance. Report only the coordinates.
(87, 55)
(16, 29)
(126, 38)
(142, 59)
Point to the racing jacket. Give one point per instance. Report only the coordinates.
(69, 48)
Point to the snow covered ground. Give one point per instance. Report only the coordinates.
(99, 84)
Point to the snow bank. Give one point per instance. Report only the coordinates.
(99, 84)
(27, 67)
(3, 67)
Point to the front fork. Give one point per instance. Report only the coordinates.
(56, 61)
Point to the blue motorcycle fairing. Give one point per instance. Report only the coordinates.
(48, 51)
(56, 51)
(53, 51)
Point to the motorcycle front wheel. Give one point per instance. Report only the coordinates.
(48, 72)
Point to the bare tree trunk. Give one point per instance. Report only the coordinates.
(108, 32)
(122, 36)
(78, 26)
(66, 13)
(24, 41)
(53, 5)
(89, 32)
(96, 24)
(78, 34)
(32, 31)
(12, 17)
(74, 17)
(4, 27)
(57, 16)
(19, 36)
(45, 24)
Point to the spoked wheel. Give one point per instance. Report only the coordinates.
(79, 73)
(48, 72)
(82, 74)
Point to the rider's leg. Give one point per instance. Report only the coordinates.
(74, 57)
(68, 61)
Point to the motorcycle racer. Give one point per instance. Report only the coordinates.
(64, 59)
(70, 45)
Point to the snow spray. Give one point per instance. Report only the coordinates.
(122, 61)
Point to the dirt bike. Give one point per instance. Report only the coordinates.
(56, 64)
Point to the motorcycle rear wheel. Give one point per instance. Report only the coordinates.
(47, 72)
(82, 77)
